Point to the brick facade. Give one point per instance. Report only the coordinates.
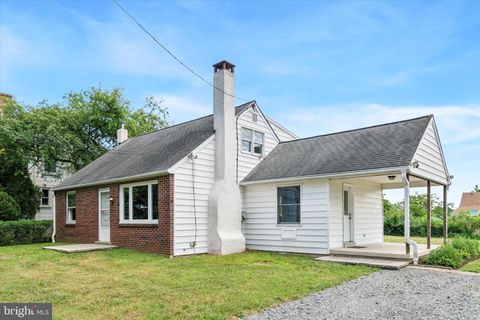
(145, 237)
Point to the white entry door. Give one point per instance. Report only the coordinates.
(104, 215)
(348, 214)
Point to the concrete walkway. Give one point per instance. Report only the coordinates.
(76, 248)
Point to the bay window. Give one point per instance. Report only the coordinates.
(139, 202)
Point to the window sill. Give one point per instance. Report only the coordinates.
(289, 225)
(44, 206)
(138, 225)
(253, 155)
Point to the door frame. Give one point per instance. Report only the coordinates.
(100, 191)
(351, 202)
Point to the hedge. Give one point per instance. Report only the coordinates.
(459, 225)
(25, 232)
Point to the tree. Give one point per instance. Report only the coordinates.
(9, 208)
(78, 132)
(476, 189)
(71, 134)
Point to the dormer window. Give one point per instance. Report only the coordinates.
(252, 141)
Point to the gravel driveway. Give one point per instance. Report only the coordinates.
(405, 294)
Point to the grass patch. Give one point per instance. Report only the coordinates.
(473, 266)
(422, 240)
(122, 283)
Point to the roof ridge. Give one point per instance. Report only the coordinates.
(185, 122)
(358, 129)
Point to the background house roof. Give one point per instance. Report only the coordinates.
(149, 153)
(470, 201)
(383, 146)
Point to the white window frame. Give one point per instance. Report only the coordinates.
(253, 141)
(286, 224)
(48, 197)
(130, 203)
(69, 220)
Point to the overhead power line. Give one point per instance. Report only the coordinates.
(172, 55)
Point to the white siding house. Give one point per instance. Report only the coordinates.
(242, 181)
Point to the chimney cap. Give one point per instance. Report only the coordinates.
(223, 65)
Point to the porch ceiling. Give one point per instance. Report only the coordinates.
(396, 183)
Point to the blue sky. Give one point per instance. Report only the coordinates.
(316, 67)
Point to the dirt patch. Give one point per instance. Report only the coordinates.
(262, 263)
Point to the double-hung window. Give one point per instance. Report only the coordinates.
(252, 141)
(288, 205)
(71, 207)
(139, 202)
(45, 201)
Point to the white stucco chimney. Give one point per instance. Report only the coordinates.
(224, 202)
(122, 135)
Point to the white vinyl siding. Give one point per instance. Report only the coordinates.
(248, 161)
(184, 219)
(261, 230)
(429, 157)
(367, 212)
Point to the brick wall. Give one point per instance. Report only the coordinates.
(146, 237)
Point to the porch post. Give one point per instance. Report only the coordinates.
(429, 208)
(445, 215)
(406, 224)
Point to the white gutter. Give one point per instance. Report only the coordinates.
(122, 179)
(406, 227)
(347, 174)
(54, 233)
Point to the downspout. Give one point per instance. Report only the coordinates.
(54, 218)
(410, 242)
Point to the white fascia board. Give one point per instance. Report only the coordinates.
(122, 179)
(283, 128)
(177, 165)
(349, 174)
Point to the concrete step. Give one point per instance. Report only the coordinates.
(394, 264)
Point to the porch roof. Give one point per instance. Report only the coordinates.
(391, 145)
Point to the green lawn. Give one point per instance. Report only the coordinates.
(399, 239)
(473, 266)
(125, 284)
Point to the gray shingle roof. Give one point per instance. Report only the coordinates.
(383, 146)
(149, 153)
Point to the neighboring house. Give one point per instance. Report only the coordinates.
(4, 98)
(470, 203)
(236, 180)
(46, 177)
(43, 176)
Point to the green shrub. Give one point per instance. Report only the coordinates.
(9, 208)
(467, 247)
(446, 255)
(459, 225)
(25, 232)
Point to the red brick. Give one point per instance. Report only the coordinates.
(152, 238)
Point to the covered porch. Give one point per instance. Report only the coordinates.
(355, 218)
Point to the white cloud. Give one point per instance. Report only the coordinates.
(456, 123)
